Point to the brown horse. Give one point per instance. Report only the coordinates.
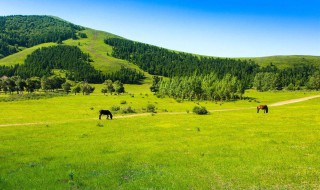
(263, 107)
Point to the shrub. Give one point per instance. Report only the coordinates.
(179, 100)
(123, 102)
(128, 110)
(200, 110)
(115, 108)
(151, 108)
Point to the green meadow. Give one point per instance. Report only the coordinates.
(59, 143)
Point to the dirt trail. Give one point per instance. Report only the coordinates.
(294, 101)
(165, 113)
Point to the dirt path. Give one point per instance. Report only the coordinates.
(294, 101)
(164, 113)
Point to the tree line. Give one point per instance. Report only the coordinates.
(73, 61)
(27, 31)
(15, 84)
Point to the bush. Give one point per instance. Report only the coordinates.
(151, 108)
(123, 102)
(200, 110)
(115, 108)
(128, 110)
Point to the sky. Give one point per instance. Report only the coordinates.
(224, 28)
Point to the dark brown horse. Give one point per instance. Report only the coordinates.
(262, 107)
(105, 112)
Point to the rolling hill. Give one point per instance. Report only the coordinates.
(109, 58)
(101, 52)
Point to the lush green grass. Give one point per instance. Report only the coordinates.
(71, 148)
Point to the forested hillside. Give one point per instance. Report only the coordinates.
(17, 32)
(70, 59)
(160, 61)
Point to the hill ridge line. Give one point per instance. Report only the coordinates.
(292, 101)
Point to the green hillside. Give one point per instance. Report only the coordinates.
(99, 51)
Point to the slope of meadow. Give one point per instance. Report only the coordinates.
(99, 51)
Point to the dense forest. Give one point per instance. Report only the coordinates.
(73, 61)
(28, 31)
(69, 58)
(160, 61)
(163, 62)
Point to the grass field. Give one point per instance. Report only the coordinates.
(59, 143)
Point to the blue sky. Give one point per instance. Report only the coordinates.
(227, 28)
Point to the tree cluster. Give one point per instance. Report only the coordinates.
(27, 31)
(202, 87)
(110, 87)
(52, 83)
(19, 85)
(293, 78)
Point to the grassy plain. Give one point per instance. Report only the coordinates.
(59, 143)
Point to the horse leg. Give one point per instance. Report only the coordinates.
(257, 110)
(107, 116)
(100, 116)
